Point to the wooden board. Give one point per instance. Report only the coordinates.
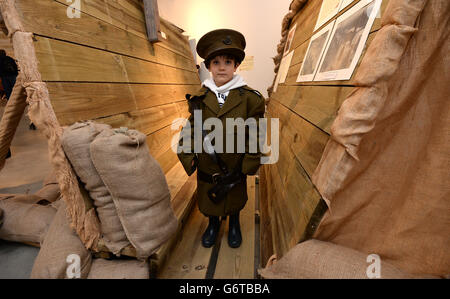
(239, 263)
(182, 204)
(290, 197)
(189, 259)
(160, 141)
(132, 19)
(101, 34)
(265, 236)
(74, 102)
(305, 141)
(62, 61)
(316, 104)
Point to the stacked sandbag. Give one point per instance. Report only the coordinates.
(76, 142)
(127, 184)
(138, 187)
(24, 220)
(316, 259)
(118, 269)
(62, 251)
(50, 190)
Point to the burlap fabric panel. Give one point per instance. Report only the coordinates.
(385, 172)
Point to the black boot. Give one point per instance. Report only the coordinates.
(210, 235)
(234, 232)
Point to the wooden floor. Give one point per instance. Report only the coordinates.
(190, 260)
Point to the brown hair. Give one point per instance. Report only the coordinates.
(226, 55)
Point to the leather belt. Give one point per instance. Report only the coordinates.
(217, 178)
(208, 178)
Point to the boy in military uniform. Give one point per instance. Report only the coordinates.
(221, 176)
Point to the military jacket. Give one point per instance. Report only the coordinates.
(242, 103)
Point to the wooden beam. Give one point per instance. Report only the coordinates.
(152, 20)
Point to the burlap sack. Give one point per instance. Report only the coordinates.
(50, 190)
(24, 221)
(1, 217)
(315, 259)
(25, 198)
(138, 187)
(76, 141)
(119, 269)
(50, 179)
(50, 193)
(60, 246)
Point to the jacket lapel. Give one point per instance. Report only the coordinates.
(232, 101)
(212, 103)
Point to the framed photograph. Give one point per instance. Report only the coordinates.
(284, 66)
(289, 40)
(347, 41)
(314, 53)
(328, 10)
(283, 70)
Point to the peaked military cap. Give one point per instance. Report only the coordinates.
(222, 41)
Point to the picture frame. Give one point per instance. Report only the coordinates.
(345, 3)
(316, 47)
(347, 41)
(284, 66)
(289, 40)
(327, 11)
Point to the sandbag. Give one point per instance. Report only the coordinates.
(76, 142)
(23, 220)
(316, 259)
(50, 193)
(119, 269)
(138, 187)
(26, 198)
(50, 190)
(60, 246)
(50, 179)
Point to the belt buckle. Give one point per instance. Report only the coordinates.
(216, 177)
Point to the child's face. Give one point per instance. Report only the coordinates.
(222, 69)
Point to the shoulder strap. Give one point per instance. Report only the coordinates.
(253, 90)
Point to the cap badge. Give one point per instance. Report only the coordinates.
(227, 41)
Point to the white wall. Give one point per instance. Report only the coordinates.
(258, 20)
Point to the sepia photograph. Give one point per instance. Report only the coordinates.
(313, 54)
(347, 41)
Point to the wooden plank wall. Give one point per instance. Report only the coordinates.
(291, 207)
(102, 67)
(5, 44)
